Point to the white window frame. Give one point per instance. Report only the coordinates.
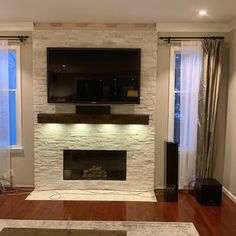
(18, 98)
(171, 119)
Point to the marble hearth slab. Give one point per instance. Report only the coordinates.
(93, 195)
(132, 228)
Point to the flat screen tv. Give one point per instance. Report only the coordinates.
(93, 75)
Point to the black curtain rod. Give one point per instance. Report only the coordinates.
(169, 39)
(18, 37)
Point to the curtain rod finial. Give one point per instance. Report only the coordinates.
(168, 40)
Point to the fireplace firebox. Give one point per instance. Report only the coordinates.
(94, 164)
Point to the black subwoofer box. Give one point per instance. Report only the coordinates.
(171, 171)
(208, 192)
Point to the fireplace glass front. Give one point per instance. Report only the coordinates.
(94, 164)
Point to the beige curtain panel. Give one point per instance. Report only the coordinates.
(207, 107)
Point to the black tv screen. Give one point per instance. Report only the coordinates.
(93, 75)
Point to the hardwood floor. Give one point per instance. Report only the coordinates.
(215, 221)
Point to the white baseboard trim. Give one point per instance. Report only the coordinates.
(229, 194)
(22, 186)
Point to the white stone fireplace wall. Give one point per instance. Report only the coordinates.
(51, 139)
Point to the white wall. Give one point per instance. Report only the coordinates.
(229, 180)
(22, 160)
(23, 164)
(162, 98)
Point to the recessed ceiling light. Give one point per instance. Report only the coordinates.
(202, 13)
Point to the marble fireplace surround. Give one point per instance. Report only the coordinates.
(138, 140)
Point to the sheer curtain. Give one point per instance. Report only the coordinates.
(4, 116)
(191, 62)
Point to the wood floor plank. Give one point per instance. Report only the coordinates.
(208, 220)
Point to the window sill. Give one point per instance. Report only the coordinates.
(17, 152)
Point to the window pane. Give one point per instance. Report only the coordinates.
(177, 118)
(12, 96)
(12, 115)
(177, 71)
(177, 97)
(12, 69)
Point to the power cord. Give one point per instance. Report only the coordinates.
(9, 190)
(2, 188)
(2, 185)
(191, 187)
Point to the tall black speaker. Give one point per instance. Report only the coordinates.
(171, 171)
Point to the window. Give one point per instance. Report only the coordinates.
(14, 96)
(174, 95)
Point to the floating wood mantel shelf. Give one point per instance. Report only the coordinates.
(70, 118)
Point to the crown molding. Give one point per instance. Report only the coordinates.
(94, 26)
(193, 27)
(16, 26)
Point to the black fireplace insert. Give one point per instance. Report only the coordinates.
(94, 164)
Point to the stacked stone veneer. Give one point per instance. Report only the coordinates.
(52, 139)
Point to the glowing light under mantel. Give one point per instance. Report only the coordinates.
(55, 127)
(202, 13)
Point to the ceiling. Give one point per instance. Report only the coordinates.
(117, 11)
